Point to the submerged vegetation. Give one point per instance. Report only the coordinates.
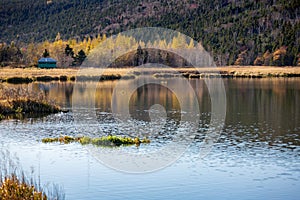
(21, 100)
(102, 141)
(15, 185)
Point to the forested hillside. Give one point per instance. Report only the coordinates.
(261, 32)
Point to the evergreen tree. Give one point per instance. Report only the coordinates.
(68, 58)
(80, 57)
(69, 51)
(46, 53)
(145, 56)
(138, 58)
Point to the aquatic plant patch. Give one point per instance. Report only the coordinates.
(105, 141)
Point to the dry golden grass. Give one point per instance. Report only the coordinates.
(11, 188)
(261, 69)
(21, 100)
(16, 185)
(36, 72)
(73, 72)
(246, 69)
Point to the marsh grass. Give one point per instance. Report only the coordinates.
(17, 75)
(105, 141)
(20, 100)
(16, 185)
(14, 188)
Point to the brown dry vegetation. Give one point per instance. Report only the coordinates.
(22, 100)
(17, 75)
(35, 72)
(16, 185)
(13, 189)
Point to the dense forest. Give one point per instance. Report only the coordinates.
(235, 32)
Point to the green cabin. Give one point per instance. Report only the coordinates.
(47, 63)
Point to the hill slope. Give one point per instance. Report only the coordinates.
(231, 29)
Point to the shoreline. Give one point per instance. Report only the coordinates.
(27, 75)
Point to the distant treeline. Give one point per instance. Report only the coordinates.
(258, 32)
(73, 52)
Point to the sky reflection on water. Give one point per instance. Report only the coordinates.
(257, 155)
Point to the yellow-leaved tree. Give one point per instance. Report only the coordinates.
(279, 56)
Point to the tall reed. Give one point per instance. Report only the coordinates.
(15, 184)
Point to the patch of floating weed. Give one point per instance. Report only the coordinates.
(49, 140)
(85, 140)
(61, 139)
(102, 141)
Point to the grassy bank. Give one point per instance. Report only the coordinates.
(230, 72)
(27, 75)
(243, 72)
(18, 101)
(105, 141)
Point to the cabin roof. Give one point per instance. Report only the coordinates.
(47, 60)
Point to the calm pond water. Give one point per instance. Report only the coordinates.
(256, 157)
